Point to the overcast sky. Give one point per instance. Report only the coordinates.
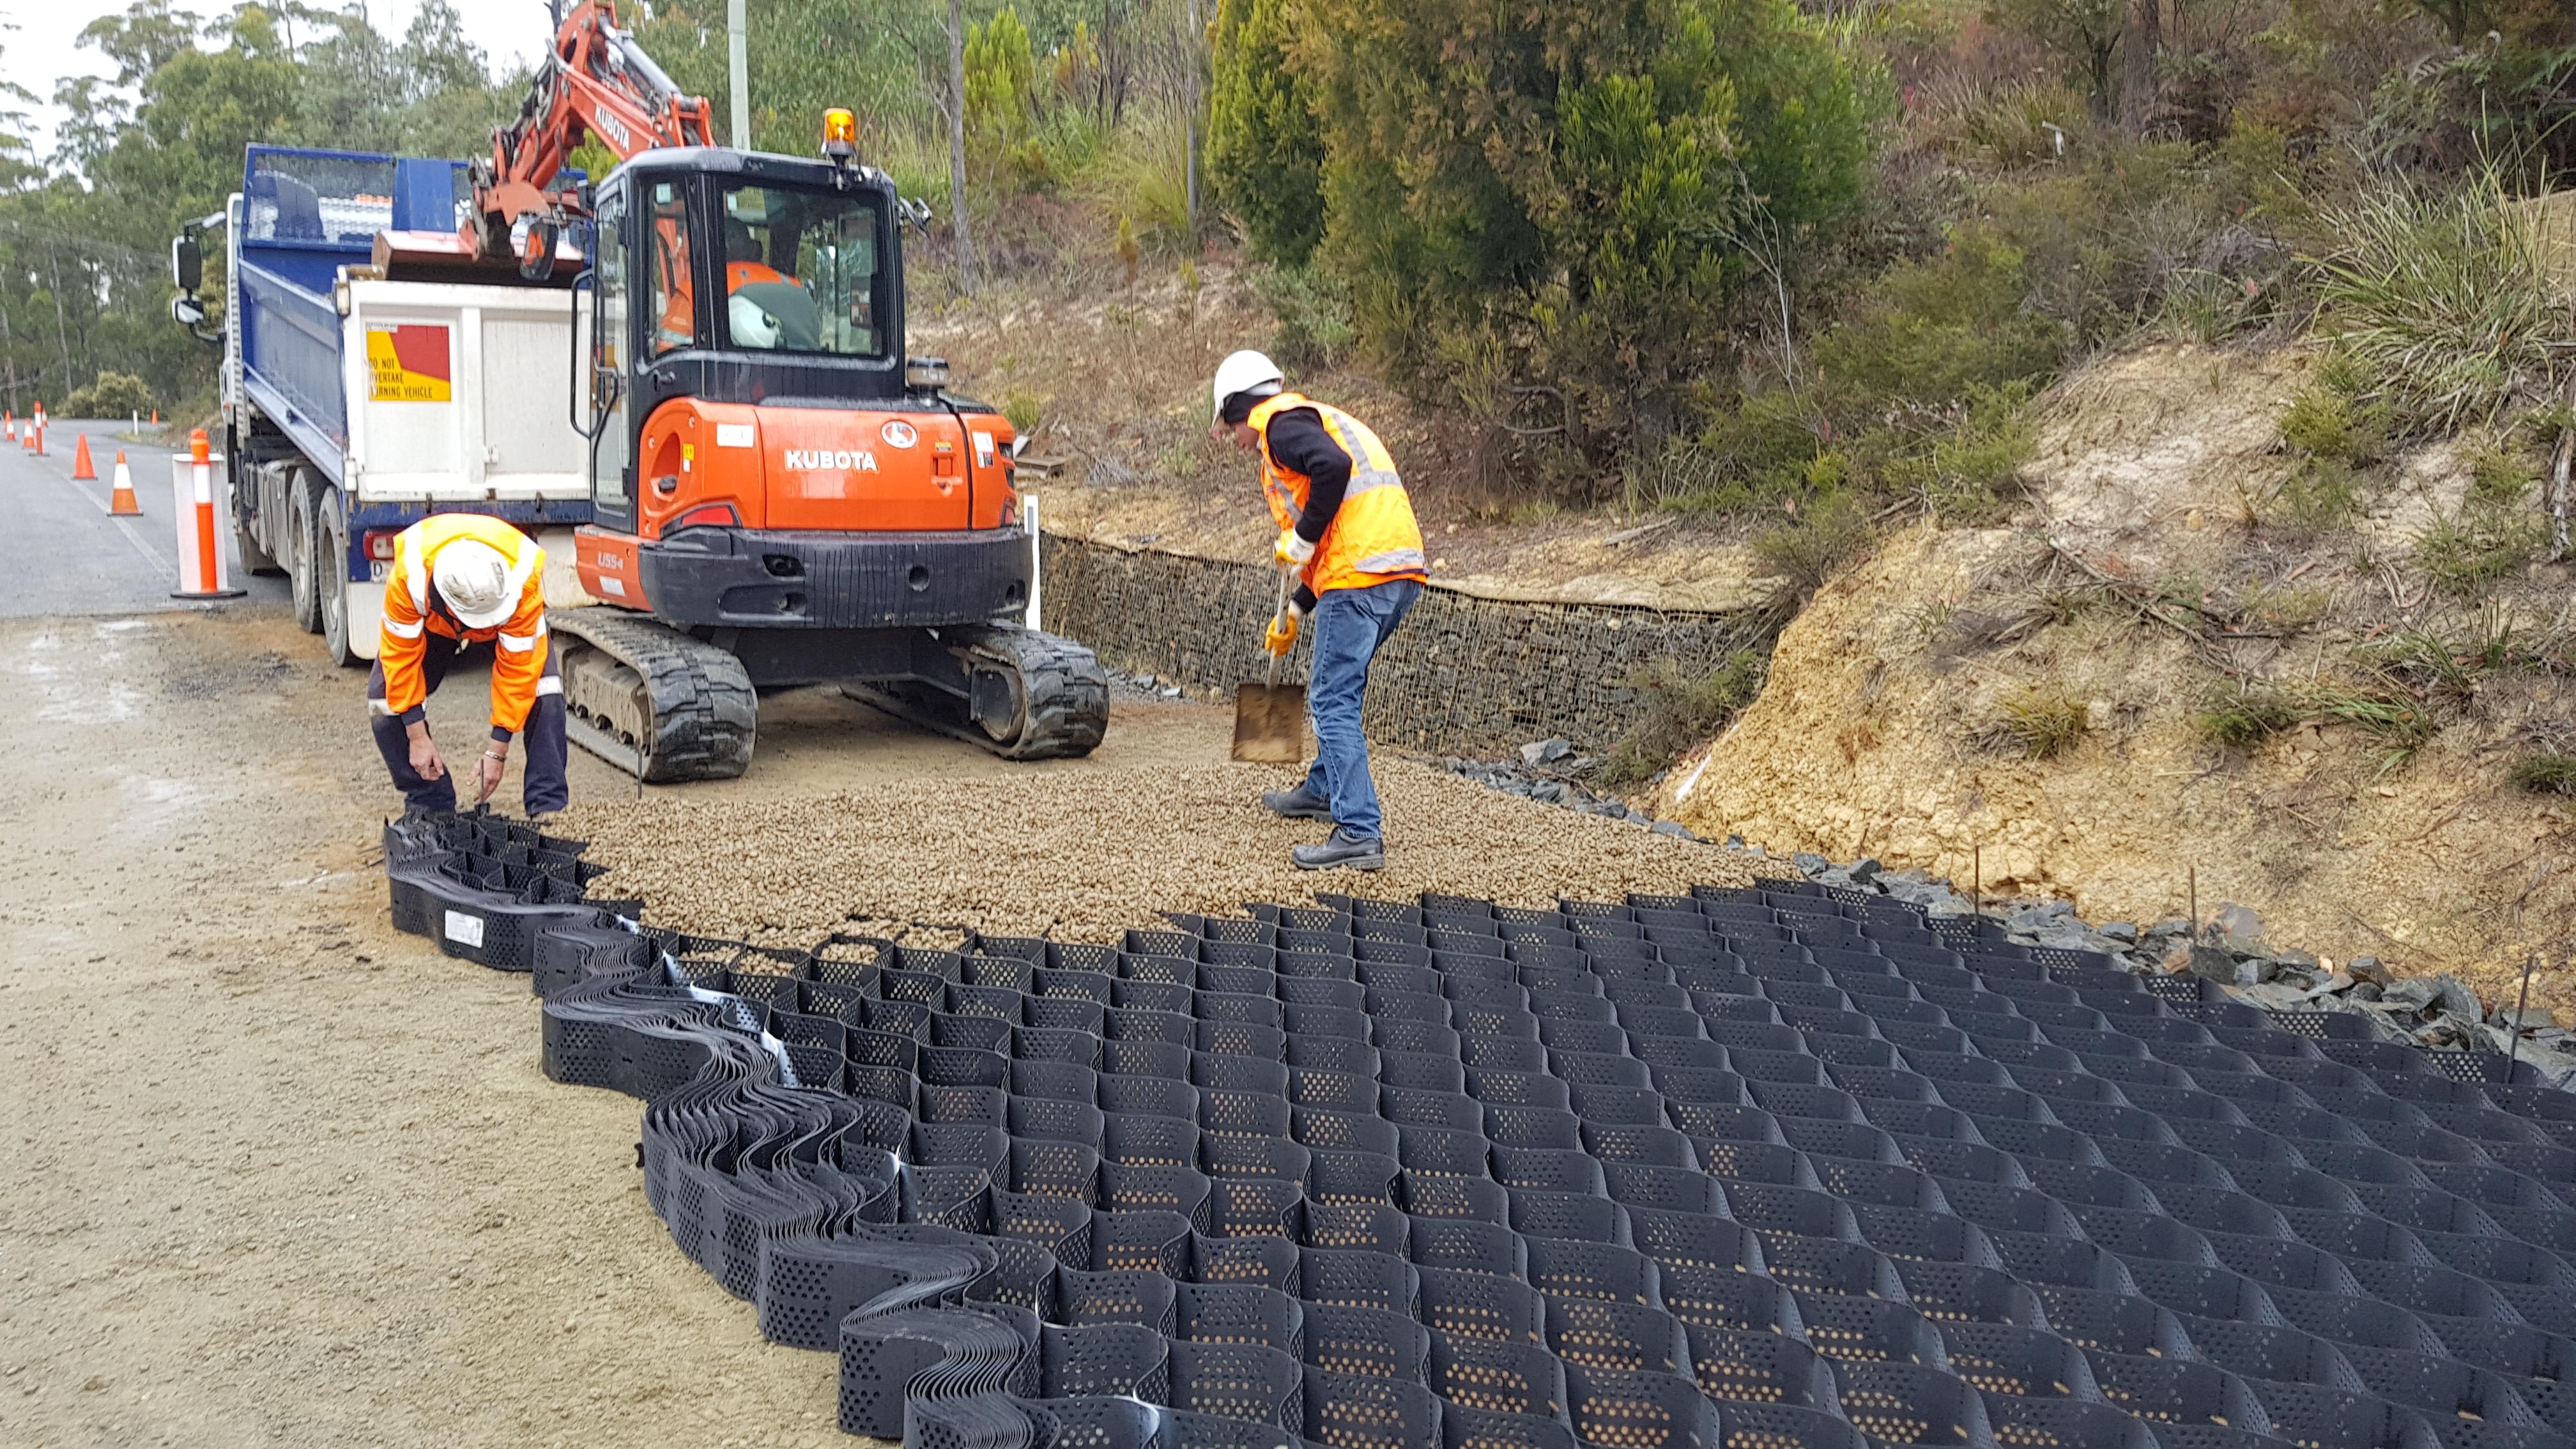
(40, 50)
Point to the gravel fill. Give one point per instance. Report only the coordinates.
(1084, 855)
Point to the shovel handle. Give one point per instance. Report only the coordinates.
(1277, 613)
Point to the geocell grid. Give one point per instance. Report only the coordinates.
(1763, 1168)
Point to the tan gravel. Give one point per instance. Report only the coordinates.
(1080, 856)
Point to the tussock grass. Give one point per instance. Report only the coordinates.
(2044, 720)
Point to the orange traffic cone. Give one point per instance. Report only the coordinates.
(121, 501)
(83, 470)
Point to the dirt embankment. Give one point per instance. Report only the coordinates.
(1882, 729)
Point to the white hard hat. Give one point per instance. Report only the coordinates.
(475, 581)
(1245, 372)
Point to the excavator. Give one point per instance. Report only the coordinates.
(780, 495)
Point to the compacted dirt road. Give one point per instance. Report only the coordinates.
(276, 1174)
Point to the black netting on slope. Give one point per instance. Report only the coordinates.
(1760, 1168)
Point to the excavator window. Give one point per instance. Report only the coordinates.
(801, 271)
(674, 326)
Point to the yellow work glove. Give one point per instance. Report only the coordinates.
(1281, 636)
(1292, 551)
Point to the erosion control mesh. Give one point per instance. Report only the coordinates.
(1753, 1168)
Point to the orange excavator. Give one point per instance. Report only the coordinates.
(780, 495)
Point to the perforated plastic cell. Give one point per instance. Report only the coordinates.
(1640, 1410)
(1238, 1381)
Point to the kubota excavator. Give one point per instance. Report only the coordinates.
(780, 495)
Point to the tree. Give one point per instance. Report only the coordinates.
(2083, 34)
(958, 222)
(1574, 196)
(1265, 150)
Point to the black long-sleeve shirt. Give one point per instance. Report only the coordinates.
(1299, 443)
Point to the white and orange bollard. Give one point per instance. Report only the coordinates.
(203, 573)
(39, 433)
(121, 502)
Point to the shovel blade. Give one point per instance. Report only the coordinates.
(1270, 724)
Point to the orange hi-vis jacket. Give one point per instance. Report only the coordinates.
(519, 652)
(1373, 536)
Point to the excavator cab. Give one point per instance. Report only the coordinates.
(777, 489)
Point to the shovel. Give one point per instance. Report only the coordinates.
(1270, 718)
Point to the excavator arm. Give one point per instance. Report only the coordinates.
(596, 81)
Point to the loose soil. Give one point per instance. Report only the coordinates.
(280, 1175)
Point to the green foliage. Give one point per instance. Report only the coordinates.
(1967, 470)
(2082, 35)
(2248, 714)
(1822, 537)
(1265, 149)
(1681, 708)
(2439, 295)
(112, 395)
(2044, 720)
(2544, 773)
(1001, 96)
(1023, 410)
(2329, 423)
(1314, 312)
(1589, 190)
(2462, 552)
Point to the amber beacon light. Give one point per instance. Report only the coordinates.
(840, 133)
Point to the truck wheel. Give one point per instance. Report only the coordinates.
(331, 583)
(299, 557)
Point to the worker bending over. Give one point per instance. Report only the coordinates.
(459, 579)
(1348, 530)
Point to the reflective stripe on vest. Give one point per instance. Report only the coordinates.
(1373, 537)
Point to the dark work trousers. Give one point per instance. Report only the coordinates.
(542, 788)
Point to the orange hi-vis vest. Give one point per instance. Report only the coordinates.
(1373, 536)
(519, 652)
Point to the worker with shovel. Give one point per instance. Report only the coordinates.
(1347, 532)
(459, 579)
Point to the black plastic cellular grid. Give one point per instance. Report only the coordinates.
(1754, 1168)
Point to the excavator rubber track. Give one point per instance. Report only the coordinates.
(1057, 694)
(651, 700)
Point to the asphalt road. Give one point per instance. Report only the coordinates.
(68, 555)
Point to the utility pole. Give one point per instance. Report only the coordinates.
(957, 144)
(738, 69)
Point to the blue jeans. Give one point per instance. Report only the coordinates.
(1349, 626)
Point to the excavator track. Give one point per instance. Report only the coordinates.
(652, 701)
(1035, 696)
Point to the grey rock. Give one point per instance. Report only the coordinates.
(2369, 969)
(1757, 852)
(2272, 996)
(2218, 966)
(2038, 918)
(1614, 809)
(2459, 1003)
(2296, 960)
(1554, 792)
(2121, 931)
(1671, 827)
(1172, 691)
(2525, 1018)
(1835, 876)
(1581, 763)
(1864, 868)
(2414, 992)
(1808, 862)
(1544, 752)
(1147, 681)
(2236, 920)
(2296, 980)
(2366, 990)
(2340, 981)
(2170, 928)
(1734, 842)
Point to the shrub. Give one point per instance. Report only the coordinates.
(1967, 470)
(1594, 188)
(2439, 295)
(1681, 708)
(1265, 152)
(111, 395)
(1314, 313)
(2546, 774)
(2464, 551)
(1807, 549)
(2247, 714)
(2044, 720)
